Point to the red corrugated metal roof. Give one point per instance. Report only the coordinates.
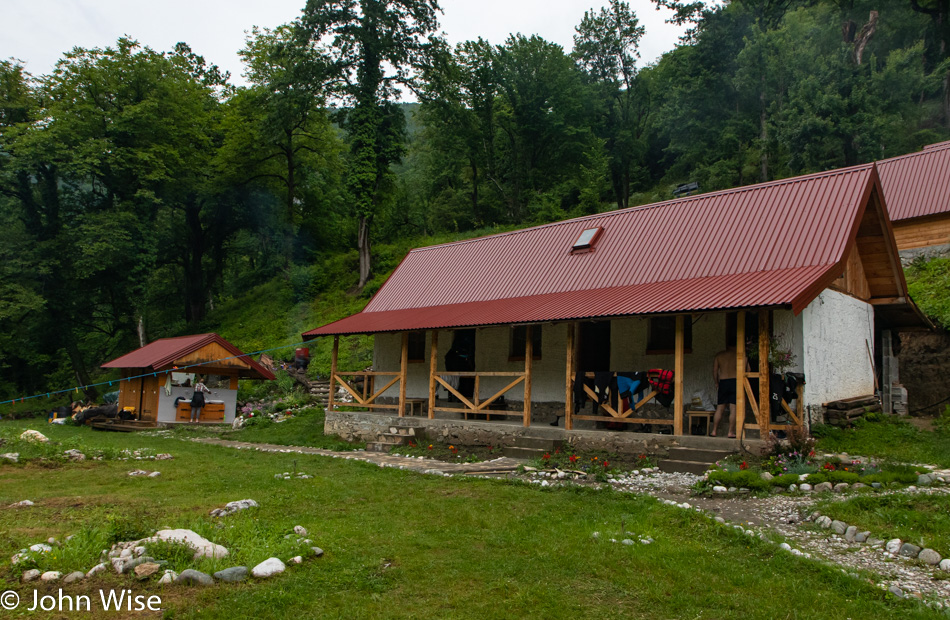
(917, 184)
(161, 354)
(776, 243)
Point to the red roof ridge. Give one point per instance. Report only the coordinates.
(927, 150)
(657, 205)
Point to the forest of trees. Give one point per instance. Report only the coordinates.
(139, 188)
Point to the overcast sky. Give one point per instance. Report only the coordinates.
(38, 32)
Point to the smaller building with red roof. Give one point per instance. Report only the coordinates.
(917, 191)
(158, 379)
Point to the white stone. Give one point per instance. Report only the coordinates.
(155, 474)
(40, 548)
(95, 570)
(34, 436)
(805, 487)
(13, 457)
(297, 559)
(719, 489)
(268, 568)
(785, 546)
(51, 575)
(299, 530)
(203, 547)
(169, 577)
(24, 504)
(31, 575)
(945, 564)
(893, 545)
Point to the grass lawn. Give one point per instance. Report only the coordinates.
(919, 519)
(892, 438)
(404, 545)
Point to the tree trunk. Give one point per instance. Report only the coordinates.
(764, 134)
(141, 331)
(364, 249)
(194, 282)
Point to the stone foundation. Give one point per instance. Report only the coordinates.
(363, 426)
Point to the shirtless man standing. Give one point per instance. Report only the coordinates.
(724, 375)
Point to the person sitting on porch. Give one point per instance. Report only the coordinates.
(724, 375)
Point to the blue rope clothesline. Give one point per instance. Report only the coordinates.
(76, 388)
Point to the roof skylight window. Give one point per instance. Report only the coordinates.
(586, 239)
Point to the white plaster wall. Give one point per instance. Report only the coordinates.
(629, 343)
(627, 353)
(166, 404)
(788, 327)
(837, 330)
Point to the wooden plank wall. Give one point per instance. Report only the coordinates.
(208, 353)
(854, 281)
(922, 232)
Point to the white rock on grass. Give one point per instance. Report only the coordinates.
(24, 504)
(95, 570)
(51, 575)
(34, 436)
(945, 564)
(74, 576)
(268, 568)
(297, 559)
(299, 530)
(13, 457)
(169, 577)
(893, 545)
(203, 547)
(232, 507)
(31, 575)
(929, 556)
(40, 548)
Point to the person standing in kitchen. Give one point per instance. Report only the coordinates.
(198, 400)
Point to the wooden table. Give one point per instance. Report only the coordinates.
(698, 413)
(416, 404)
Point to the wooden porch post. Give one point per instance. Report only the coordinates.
(678, 377)
(569, 383)
(764, 376)
(740, 373)
(433, 364)
(403, 368)
(528, 357)
(333, 356)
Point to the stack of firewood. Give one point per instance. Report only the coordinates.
(843, 413)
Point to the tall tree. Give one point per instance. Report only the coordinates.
(607, 47)
(374, 46)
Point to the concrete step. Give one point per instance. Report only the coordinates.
(698, 455)
(538, 443)
(683, 467)
(527, 454)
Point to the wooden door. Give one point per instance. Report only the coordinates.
(150, 387)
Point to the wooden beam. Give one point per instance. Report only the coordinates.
(569, 382)
(528, 357)
(403, 369)
(740, 373)
(433, 364)
(333, 357)
(764, 337)
(678, 377)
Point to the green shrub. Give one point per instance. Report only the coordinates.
(126, 527)
(784, 480)
(179, 555)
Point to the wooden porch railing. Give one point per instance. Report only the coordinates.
(624, 415)
(365, 397)
(475, 405)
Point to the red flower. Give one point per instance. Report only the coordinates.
(546, 456)
(606, 464)
(744, 465)
(828, 466)
(573, 459)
